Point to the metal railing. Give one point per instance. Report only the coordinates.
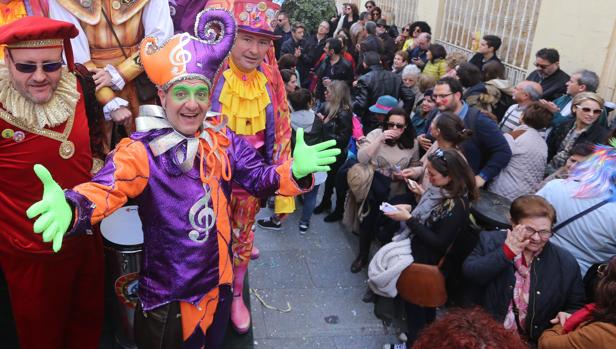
(514, 21)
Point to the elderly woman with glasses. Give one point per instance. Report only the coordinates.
(584, 127)
(526, 282)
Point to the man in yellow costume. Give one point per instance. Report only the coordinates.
(108, 44)
(251, 94)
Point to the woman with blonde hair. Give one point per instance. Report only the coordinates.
(584, 127)
(337, 117)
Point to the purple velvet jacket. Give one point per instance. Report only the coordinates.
(186, 249)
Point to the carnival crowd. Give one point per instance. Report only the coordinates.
(432, 141)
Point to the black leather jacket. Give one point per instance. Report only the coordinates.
(370, 86)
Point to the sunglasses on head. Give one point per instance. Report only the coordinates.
(29, 68)
(590, 110)
(395, 125)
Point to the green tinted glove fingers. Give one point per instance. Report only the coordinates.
(324, 145)
(36, 209)
(57, 242)
(326, 161)
(43, 222)
(310, 159)
(51, 231)
(55, 213)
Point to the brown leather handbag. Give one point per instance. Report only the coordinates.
(423, 284)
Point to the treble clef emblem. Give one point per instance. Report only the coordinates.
(202, 218)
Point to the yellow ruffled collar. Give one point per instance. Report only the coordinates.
(244, 100)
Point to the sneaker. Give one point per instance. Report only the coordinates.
(269, 224)
(395, 346)
(303, 227)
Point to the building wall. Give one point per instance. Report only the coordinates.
(584, 32)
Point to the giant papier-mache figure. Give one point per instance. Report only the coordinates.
(250, 92)
(179, 168)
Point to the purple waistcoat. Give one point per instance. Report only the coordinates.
(176, 267)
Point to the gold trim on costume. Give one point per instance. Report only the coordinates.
(37, 43)
(126, 10)
(67, 148)
(89, 14)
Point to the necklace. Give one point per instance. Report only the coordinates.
(67, 148)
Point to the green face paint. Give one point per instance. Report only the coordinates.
(183, 93)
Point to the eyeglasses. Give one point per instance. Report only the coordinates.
(590, 110)
(29, 68)
(602, 270)
(395, 125)
(435, 96)
(543, 234)
(405, 29)
(542, 66)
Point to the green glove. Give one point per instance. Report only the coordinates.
(308, 159)
(55, 212)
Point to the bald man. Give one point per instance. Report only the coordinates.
(524, 93)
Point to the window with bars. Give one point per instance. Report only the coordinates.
(513, 21)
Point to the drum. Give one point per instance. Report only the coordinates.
(491, 211)
(123, 239)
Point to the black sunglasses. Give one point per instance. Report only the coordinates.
(29, 68)
(395, 125)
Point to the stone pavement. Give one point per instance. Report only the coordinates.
(311, 273)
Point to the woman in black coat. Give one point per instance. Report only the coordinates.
(584, 127)
(437, 220)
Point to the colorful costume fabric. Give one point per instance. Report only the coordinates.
(98, 47)
(16, 9)
(256, 105)
(56, 298)
(177, 212)
(182, 185)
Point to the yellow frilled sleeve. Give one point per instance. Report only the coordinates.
(243, 99)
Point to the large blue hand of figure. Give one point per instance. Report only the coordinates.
(55, 213)
(308, 159)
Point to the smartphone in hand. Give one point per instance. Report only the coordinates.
(412, 184)
(387, 207)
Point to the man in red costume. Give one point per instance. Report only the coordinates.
(56, 298)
